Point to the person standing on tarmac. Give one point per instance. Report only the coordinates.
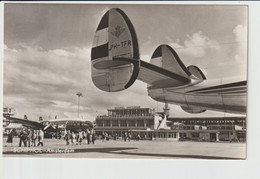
(67, 137)
(29, 136)
(72, 136)
(88, 136)
(80, 137)
(93, 137)
(129, 136)
(103, 136)
(40, 137)
(34, 137)
(23, 136)
(10, 136)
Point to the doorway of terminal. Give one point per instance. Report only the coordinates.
(213, 137)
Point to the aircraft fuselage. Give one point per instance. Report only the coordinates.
(227, 97)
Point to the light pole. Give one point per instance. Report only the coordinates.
(79, 94)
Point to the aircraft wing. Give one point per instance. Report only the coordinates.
(26, 123)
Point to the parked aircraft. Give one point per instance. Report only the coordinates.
(53, 125)
(116, 65)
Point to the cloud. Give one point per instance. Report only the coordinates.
(62, 104)
(240, 33)
(46, 76)
(195, 45)
(214, 58)
(61, 52)
(44, 83)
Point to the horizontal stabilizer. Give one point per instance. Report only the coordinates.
(167, 70)
(164, 70)
(158, 77)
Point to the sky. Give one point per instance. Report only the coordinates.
(47, 53)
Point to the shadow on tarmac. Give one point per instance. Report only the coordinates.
(177, 156)
(119, 151)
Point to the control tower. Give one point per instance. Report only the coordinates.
(166, 110)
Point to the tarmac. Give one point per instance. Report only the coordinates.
(143, 149)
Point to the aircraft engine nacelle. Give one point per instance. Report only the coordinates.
(115, 53)
(193, 109)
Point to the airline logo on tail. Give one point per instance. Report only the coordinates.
(118, 31)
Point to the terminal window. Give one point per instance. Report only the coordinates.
(122, 122)
(140, 123)
(131, 123)
(107, 123)
(150, 122)
(115, 123)
(99, 122)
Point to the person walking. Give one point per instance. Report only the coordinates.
(34, 137)
(28, 138)
(88, 136)
(67, 137)
(93, 138)
(10, 136)
(72, 136)
(23, 136)
(103, 136)
(125, 136)
(40, 137)
(80, 137)
(77, 138)
(129, 136)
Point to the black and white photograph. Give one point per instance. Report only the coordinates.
(125, 81)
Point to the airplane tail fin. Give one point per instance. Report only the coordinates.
(115, 62)
(167, 70)
(115, 52)
(165, 57)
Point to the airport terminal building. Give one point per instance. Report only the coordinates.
(129, 118)
(150, 125)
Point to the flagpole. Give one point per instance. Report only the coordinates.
(79, 94)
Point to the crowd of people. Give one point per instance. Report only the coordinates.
(28, 137)
(78, 137)
(126, 136)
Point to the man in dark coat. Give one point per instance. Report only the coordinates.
(23, 136)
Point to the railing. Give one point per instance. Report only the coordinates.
(207, 128)
(124, 117)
